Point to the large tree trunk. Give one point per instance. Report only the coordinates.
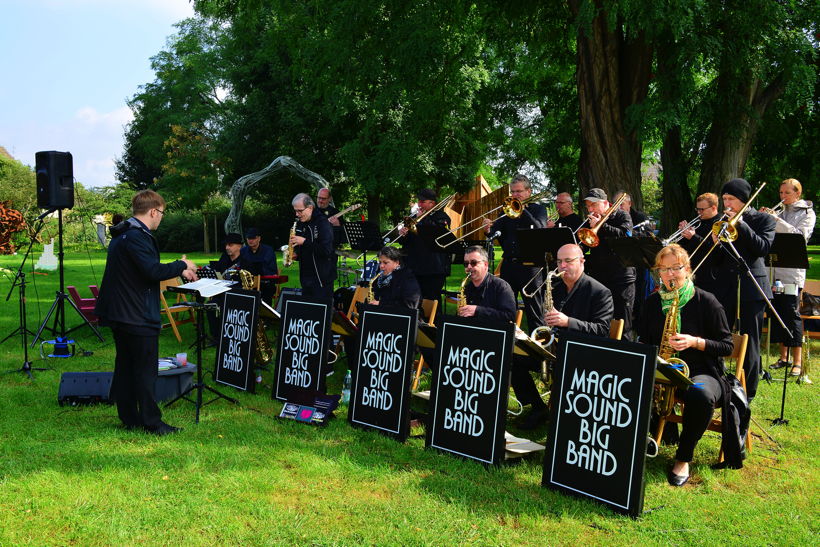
(613, 75)
(677, 199)
(733, 130)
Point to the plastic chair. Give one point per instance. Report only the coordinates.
(86, 305)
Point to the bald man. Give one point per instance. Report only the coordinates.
(566, 216)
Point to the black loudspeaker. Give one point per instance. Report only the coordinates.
(84, 388)
(55, 180)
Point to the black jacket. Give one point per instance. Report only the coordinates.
(572, 221)
(494, 298)
(317, 259)
(755, 235)
(589, 305)
(129, 293)
(422, 257)
(602, 262)
(534, 216)
(400, 290)
(708, 276)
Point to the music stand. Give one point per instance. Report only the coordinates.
(199, 385)
(363, 236)
(539, 247)
(636, 252)
(787, 251)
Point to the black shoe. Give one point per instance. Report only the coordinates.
(779, 364)
(130, 427)
(676, 480)
(536, 417)
(164, 429)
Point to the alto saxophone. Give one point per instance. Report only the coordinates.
(370, 296)
(665, 392)
(264, 352)
(545, 335)
(288, 255)
(462, 296)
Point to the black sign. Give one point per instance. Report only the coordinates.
(470, 388)
(303, 345)
(237, 339)
(380, 393)
(597, 441)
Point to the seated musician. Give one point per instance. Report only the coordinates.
(231, 257)
(702, 338)
(396, 286)
(581, 304)
(260, 259)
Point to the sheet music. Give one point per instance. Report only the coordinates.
(209, 287)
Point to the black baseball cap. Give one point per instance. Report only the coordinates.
(250, 233)
(595, 195)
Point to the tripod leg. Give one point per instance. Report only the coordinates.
(43, 325)
(83, 317)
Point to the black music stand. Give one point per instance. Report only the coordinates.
(363, 236)
(539, 247)
(636, 252)
(199, 385)
(787, 251)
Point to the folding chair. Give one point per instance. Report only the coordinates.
(739, 343)
(86, 305)
(430, 307)
(180, 306)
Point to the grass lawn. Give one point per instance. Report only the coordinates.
(71, 476)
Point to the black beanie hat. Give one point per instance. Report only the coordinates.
(739, 188)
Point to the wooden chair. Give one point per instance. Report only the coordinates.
(180, 305)
(358, 296)
(518, 316)
(739, 343)
(86, 305)
(430, 308)
(812, 287)
(616, 329)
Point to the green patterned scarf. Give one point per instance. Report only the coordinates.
(685, 294)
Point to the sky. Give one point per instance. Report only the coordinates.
(68, 68)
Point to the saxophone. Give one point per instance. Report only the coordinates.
(370, 296)
(289, 254)
(462, 296)
(665, 392)
(545, 335)
(264, 352)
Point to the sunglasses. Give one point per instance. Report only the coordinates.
(472, 263)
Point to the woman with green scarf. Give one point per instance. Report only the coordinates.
(702, 340)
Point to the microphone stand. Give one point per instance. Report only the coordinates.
(732, 250)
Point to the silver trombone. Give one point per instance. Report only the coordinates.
(676, 236)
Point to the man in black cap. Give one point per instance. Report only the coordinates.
(603, 264)
(231, 256)
(755, 235)
(429, 263)
(513, 271)
(260, 259)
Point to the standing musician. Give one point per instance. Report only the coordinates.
(513, 272)
(429, 263)
(314, 239)
(796, 217)
(566, 216)
(636, 216)
(581, 304)
(603, 263)
(707, 278)
(701, 338)
(396, 286)
(755, 237)
(323, 199)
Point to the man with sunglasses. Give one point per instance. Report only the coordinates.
(488, 296)
(314, 239)
(580, 304)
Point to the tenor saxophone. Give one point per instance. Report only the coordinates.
(462, 296)
(664, 392)
(264, 352)
(545, 335)
(289, 254)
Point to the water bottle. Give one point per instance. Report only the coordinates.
(346, 383)
(778, 287)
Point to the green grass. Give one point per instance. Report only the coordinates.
(71, 476)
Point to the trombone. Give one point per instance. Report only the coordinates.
(513, 208)
(589, 236)
(676, 236)
(410, 222)
(725, 230)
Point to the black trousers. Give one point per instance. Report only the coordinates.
(786, 306)
(517, 276)
(751, 323)
(135, 374)
(319, 292)
(522, 382)
(431, 285)
(699, 404)
(623, 298)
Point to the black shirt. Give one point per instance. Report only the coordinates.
(494, 298)
(400, 289)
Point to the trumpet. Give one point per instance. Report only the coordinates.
(677, 236)
(776, 210)
(726, 230)
(512, 207)
(589, 236)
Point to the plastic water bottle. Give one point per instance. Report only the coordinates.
(778, 287)
(346, 383)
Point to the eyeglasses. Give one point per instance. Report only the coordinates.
(161, 211)
(299, 211)
(701, 209)
(567, 260)
(472, 263)
(673, 269)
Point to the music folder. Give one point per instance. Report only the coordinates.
(535, 245)
(666, 371)
(205, 287)
(788, 251)
(527, 347)
(636, 252)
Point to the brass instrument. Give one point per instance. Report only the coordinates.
(410, 222)
(665, 392)
(677, 236)
(552, 213)
(589, 236)
(545, 335)
(264, 352)
(726, 230)
(462, 295)
(288, 253)
(512, 207)
(370, 296)
(776, 210)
